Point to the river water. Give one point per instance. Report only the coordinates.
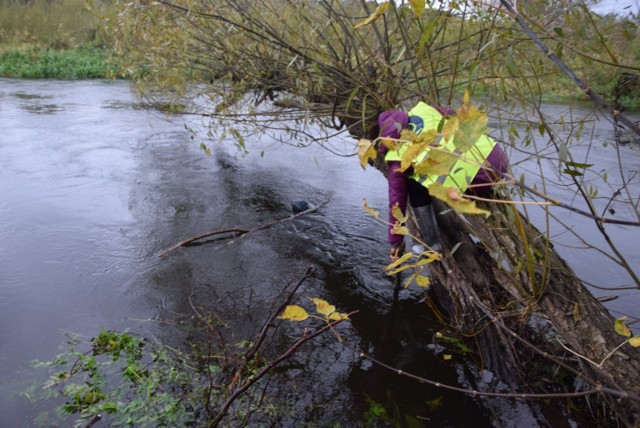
(93, 187)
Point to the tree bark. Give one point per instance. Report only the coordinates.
(480, 284)
(491, 291)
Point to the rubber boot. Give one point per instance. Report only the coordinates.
(426, 217)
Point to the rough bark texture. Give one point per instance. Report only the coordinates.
(482, 280)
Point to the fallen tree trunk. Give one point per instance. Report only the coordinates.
(494, 284)
(512, 296)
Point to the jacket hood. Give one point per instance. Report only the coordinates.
(391, 123)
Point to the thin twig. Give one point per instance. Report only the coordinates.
(91, 422)
(267, 324)
(562, 66)
(307, 336)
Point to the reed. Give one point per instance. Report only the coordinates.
(53, 39)
(53, 24)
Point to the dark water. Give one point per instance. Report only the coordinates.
(92, 188)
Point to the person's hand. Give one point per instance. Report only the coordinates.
(397, 250)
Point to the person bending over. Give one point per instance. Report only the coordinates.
(467, 175)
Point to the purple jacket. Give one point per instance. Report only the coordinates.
(398, 181)
(391, 123)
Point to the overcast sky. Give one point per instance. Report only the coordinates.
(621, 7)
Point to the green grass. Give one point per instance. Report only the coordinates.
(75, 63)
(54, 39)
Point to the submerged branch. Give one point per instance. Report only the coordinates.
(239, 231)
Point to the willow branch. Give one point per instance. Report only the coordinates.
(566, 70)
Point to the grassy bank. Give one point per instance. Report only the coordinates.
(83, 62)
(53, 39)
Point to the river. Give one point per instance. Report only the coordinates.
(93, 187)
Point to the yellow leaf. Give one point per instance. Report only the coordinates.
(467, 96)
(398, 214)
(417, 6)
(398, 229)
(472, 125)
(366, 152)
(439, 162)
(371, 211)
(450, 128)
(391, 144)
(635, 341)
(404, 258)
(323, 307)
(408, 281)
(409, 156)
(446, 357)
(423, 281)
(621, 328)
(380, 10)
(454, 200)
(294, 313)
(400, 269)
(338, 316)
(576, 312)
(428, 257)
(428, 137)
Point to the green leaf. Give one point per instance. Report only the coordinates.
(455, 248)
(509, 62)
(541, 129)
(239, 139)
(635, 341)
(563, 151)
(572, 172)
(205, 149)
(579, 165)
(558, 31)
(621, 327)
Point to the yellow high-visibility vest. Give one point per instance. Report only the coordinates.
(423, 117)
